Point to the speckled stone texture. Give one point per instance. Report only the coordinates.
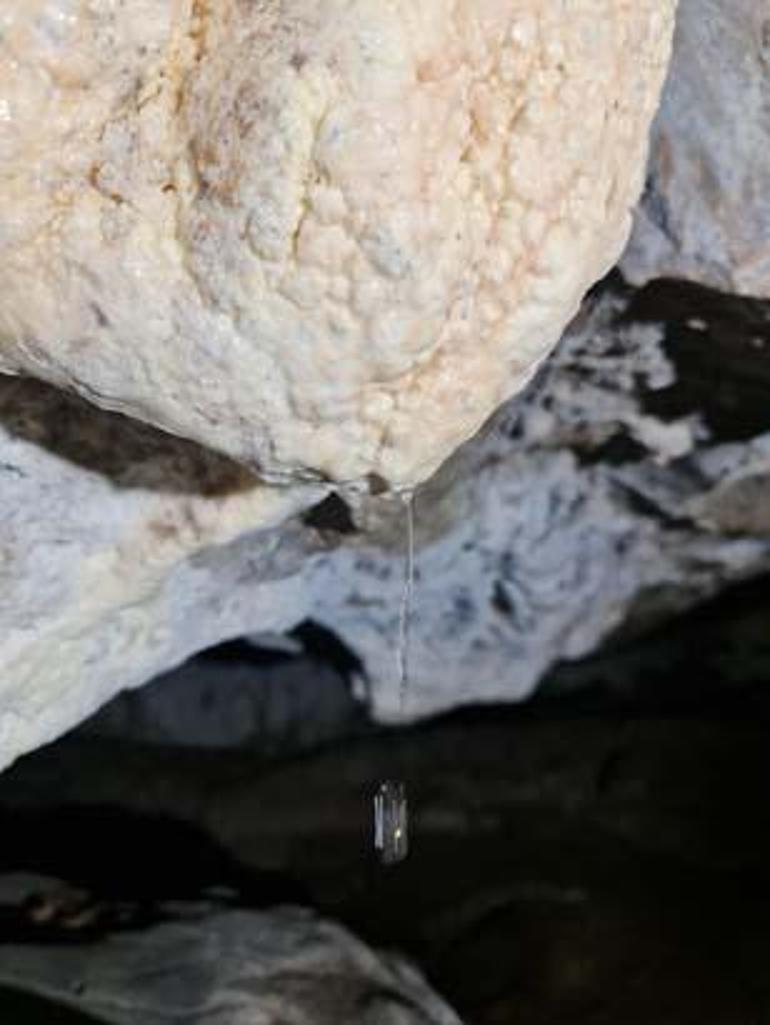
(630, 482)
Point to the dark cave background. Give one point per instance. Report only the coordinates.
(600, 853)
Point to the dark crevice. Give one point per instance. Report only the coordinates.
(240, 652)
(719, 345)
(171, 860)
(643, 505)
(332, 515)
(501, 599)
(620, 449)
(31, 1009)
(326, 646)
(129, 453)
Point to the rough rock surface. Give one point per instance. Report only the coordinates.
(326, 238)
(104, 528)
(231, 969)
(705, 214)
(631, 481)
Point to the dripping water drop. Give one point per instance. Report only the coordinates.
(391, 809)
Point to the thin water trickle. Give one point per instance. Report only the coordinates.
(391, 809)
(405, 617)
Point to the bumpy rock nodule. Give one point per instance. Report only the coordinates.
(326, 238)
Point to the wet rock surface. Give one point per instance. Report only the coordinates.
(629, 482)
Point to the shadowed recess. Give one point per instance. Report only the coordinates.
(720, 347)
(129, 453)
(18, 1008)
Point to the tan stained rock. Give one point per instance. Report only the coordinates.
(326, 238)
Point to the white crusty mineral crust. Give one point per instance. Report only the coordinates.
(327, 237)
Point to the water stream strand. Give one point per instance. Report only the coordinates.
(391, 809)
(405, 618)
